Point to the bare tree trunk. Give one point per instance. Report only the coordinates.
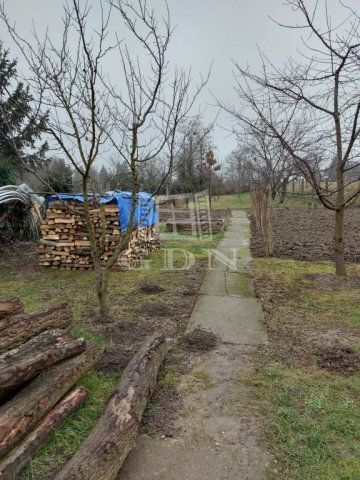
(103, 294)
(339, 250)
(283, 190)
(209, 187)
(100, 287)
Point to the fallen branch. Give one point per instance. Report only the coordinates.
(17, 329)
(20, 414)
(10, 306)
(113, 437)
(20, 456)
(29, 359)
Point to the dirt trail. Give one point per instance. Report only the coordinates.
(218, 437)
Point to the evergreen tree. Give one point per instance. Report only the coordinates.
(19, 131)
(58, 177)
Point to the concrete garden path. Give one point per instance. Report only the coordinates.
(219, 439)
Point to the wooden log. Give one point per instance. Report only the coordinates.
(113, 437)
(18, 329)
(20, 414)
(10, 306)
(20, 456)
(29, 359)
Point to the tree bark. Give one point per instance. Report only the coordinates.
(10, 306)
(20, 456)
(283, 190)
(113, 437)
(17, 329)
(339, 250)
(19, 415)
(29, 359)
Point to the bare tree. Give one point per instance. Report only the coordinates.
(270, 162)
(189, 164)
(319, 97)
(239, 171)
(151, 108)
(88, 113)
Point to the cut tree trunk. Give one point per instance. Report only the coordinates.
(29, 359)
(18, 329)
(19, 415)
(20, 456)
(10, 306)
(113, 437)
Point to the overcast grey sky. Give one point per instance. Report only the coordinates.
(207, 31)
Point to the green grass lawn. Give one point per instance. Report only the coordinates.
(312, 414)
(40, 287)
(235, 201)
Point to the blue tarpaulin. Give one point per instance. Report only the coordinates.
(146, 211)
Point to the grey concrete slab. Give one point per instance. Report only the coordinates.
(214, 284)
(219, 439)
(234, 320)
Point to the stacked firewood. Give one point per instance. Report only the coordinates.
(40, 362)
(65, 243)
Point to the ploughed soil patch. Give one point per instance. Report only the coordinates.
(306, 234)
(151, 287)
(199, 340)
(331, 281)
(156, 309)
(339, 359)
(162, 412)
(114, 359)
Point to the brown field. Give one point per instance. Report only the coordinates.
(306, 234)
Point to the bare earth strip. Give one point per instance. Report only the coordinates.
(219, 426)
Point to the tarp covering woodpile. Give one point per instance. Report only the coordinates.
(65, 243)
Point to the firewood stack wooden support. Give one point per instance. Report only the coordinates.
(39, 364)
(65, 244)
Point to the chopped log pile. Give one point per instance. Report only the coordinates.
(65, 244)
(39, 364)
